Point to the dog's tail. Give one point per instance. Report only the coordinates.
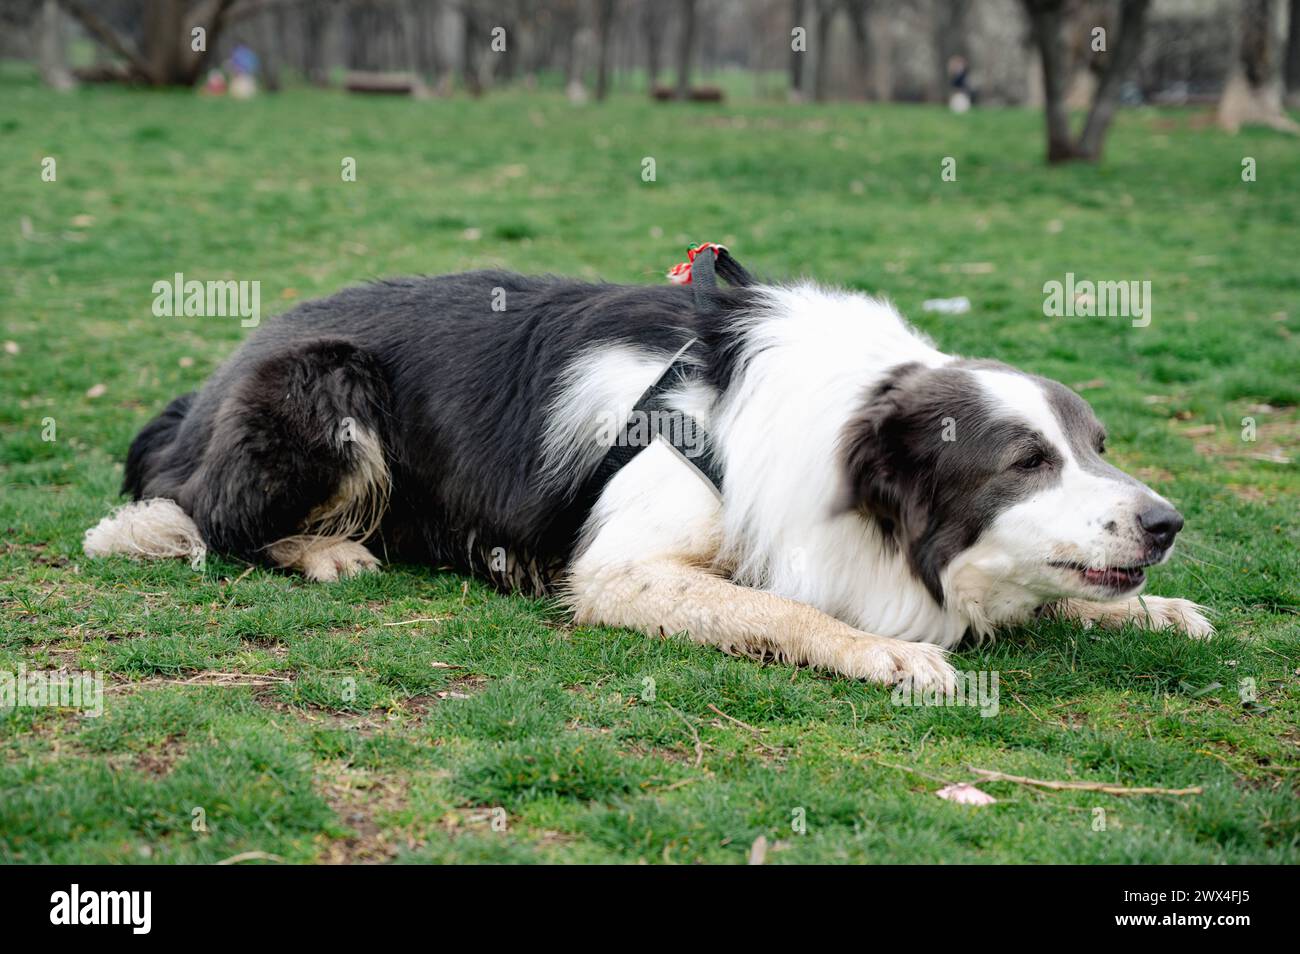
(156, 528)
(148, 529)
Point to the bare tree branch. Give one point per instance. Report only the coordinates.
(108, 37)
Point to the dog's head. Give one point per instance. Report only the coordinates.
(982, 472)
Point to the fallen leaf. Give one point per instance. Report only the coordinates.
(964, 793)
(96, 390)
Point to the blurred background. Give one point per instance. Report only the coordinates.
(1242, 56)
(959, 158)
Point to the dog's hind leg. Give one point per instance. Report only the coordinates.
(295, 472)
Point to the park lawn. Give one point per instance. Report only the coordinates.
(416, 715)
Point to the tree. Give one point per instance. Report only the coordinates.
(1292, 69)
(653, 24)
(859, 14)
(1046, 20)
(167, 57)
(471, 49)
(604, 26)
(822, 48)
(1253, 93)
(685, 46)
(53, 47)
(797, 54)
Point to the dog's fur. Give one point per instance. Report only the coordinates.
(880, 498)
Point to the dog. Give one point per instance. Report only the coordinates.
(839, 494)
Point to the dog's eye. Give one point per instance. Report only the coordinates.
(1031, 462)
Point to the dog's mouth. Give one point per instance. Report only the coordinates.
(1113, 579)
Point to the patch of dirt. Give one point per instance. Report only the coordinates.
(412, 709)
(37, 553)
(358, 796)
(1276, 440)
(1249, 494)
(462, 687)
(1153, 476)
(364, 722)
(682, 756)
(159, 761)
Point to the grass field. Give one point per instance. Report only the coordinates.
(418, 716)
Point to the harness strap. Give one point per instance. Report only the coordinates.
(688, 440)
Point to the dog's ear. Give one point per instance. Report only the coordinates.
(874, 465)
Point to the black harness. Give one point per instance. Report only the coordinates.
(680, 432)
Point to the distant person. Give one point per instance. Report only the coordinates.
(961, 97)
(243, 67)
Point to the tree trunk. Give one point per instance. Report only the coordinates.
(1253, 93)
(314, 21)
(654, 37)
(822, 61)
(470, 48)
(53, 48)
(859, 11)
(604, 27)
(163, 23)
(1046, 20)
(1292, 66)
(167, 58)
(798, 9)
(1123, 53)
(685, 44)
(273, 45)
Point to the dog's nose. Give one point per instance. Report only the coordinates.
(1162, 523)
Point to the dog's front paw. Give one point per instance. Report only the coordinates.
(890, 661)
(1170, 612)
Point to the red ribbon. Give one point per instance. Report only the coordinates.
(680, 274)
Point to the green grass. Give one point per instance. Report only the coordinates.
(249, 711)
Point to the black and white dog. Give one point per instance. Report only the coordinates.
(865, 502)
